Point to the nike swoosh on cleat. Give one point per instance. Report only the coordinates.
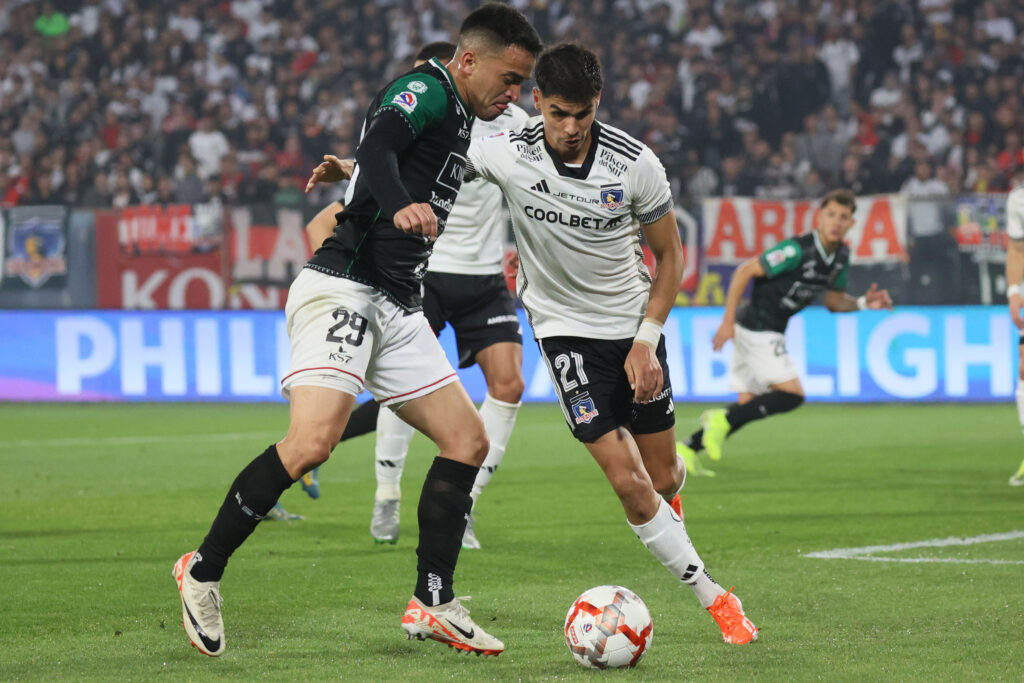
(208, 643)
(468, 634)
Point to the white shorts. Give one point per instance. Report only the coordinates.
(759, 360)
(349, 336)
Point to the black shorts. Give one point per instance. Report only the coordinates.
(590, 379)
(480, 309)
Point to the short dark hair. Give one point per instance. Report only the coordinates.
(441, 49)
(843, 197)
(569, 71)
(501, 26)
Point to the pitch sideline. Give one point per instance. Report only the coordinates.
(867, 552)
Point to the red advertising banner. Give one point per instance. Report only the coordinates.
(128, 279)
(151, 257)
(738, 228)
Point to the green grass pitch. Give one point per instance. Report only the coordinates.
(99, 500)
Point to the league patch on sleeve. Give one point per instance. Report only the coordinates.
(406, 100)
(775, 258)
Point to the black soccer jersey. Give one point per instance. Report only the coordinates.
(796, 271)
(366, 246)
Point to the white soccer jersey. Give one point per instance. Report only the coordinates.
(581, 270)
(1015, 214)
(472, 241)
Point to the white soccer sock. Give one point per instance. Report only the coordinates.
(393, 437)
(665, 536)
(1020, 402)
(499, 417)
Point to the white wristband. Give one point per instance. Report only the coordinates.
(649, 333)
(862, 302)
(1011, 290)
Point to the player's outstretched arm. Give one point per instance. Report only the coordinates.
(1014, 274)
(322, 225)
(642, 367)
(741, 277)
(875, 299)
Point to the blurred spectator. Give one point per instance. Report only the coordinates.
(51, 23)
(188, 186)
(116, 87)
(735, 181)
(97, 195)
(124, 194)
(208, 147)
(840, 55)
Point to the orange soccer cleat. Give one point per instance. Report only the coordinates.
(728, 613)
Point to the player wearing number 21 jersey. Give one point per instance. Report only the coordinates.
(579, 192)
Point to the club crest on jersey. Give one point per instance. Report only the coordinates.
(583, 409)
(611, 197)
(406, 100)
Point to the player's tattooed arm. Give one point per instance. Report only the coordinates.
(748, 270)
(322, 225)
(875, 299)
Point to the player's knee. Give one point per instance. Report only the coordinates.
(307, 451)
(628, 484)
(508, 389)
(470, 446)
(668, 480)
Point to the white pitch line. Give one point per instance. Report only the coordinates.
(135, 440)
(867, 552)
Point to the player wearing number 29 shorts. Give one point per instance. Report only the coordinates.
(349, 336)
(355, 320)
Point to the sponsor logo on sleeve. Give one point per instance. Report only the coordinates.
(417, 86)
(406, 100)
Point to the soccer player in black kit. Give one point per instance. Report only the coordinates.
(787, 277)
(355, 321)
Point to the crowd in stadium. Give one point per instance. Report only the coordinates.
(120, 102)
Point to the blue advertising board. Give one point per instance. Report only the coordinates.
(913, 354)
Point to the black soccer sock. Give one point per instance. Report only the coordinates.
(772, 403)
(252, 494)
(363, 420)
(444, 507)
(695, 440)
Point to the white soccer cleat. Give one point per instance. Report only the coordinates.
(200, 608)
(384, 523)
(449, 623)
(469, 541)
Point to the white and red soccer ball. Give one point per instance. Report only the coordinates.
(608, 627)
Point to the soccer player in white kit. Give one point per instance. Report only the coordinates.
(464, 286)
(1014, 274)
(579, 192)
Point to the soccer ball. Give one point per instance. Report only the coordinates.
(608, 627)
